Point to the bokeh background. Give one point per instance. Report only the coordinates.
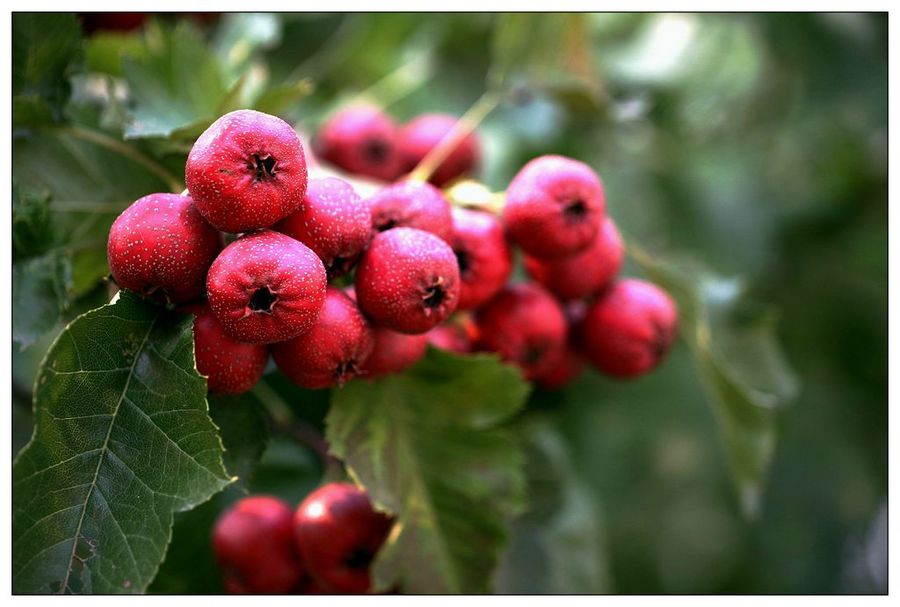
(754, 143)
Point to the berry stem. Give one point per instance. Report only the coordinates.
(465, 125)
(399, 83)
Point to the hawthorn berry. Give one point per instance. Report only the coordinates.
(457, 335)
(254, 545)
(411, 204)
(246, 171)
(266, 287)
(564, 365)
(582, 274)
(333, 221)
(484, 258)
(333, 350)
(230, 366)
(160, 247)
(407, 280)
(554, 207)
(424, 133)
(629, 329)
(360, 139)
(338, 533)
(524, 325)
(394, 352)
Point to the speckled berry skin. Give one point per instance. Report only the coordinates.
(160, 247)
(583, 274)
(333, 221)
(254, 546)
(411, 204)
(338, 533)
(333, 350)
(394, 352)
(424, 133)
(524, 325)
(230, 366)
(266, 287)
(407, 280)
(629, 329)
(554, 207)
(485, 260)
(246, 171)
(564, 365)
(360, 139)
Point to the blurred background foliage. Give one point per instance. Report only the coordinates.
(754, 142)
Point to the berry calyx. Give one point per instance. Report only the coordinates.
(160, 247)
(424, 133)
(266, 287)
(333, 221)
(484, 258)
(246, 171)
(393, 353)
(411, 204)
(629, 329)
(254, 545)
(407, 280)
(554, 207)
(338, 533)
(360, 139)
(230, 366)
(333, 351)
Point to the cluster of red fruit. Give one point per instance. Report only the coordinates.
(416, 260)
(326, 546)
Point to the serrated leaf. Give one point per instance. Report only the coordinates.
(429, 448)
(40, 294)
(244, 431)
(176, 84)
(741, 365)
(122, 441)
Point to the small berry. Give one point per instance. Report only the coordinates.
(338, 534)
(231, 367)
(629, 329)
(160, 247)
(411, 204)
(394, 352)
(246, 171)
(255, 548)
(582, 274)
(333, 351)
(563, 366)
(266, 287)
(333, 221)
(407, 280)
(524, 325)
(554, 207)
(485, 260)
(457, 335)
(360, 139)
(424, 133)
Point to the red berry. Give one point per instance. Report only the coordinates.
(254, 546)
(394, 352)
(360, 139)
(333, 221)
(161, 247)
(338, 534)
(554, 207)
(266, 287)
(585, 273)
(629, 329)
(231, 367)
(563, 366)
(333, 351)
(485, 260)
(246, 171)
(407, 280)
(454, 337)
(424, 133)
(411, 204)
(524, 325)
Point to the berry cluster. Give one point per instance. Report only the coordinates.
(422, 270)
(326, 546)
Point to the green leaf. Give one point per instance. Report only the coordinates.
(32, 231)
(280, 97)
(122, 440)
(177, 84)
(429, 448)
(740, 362)
(244, 431)
(241, 36)
(45, 46)
(557, 544)
(40, 294)
(106, 51)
